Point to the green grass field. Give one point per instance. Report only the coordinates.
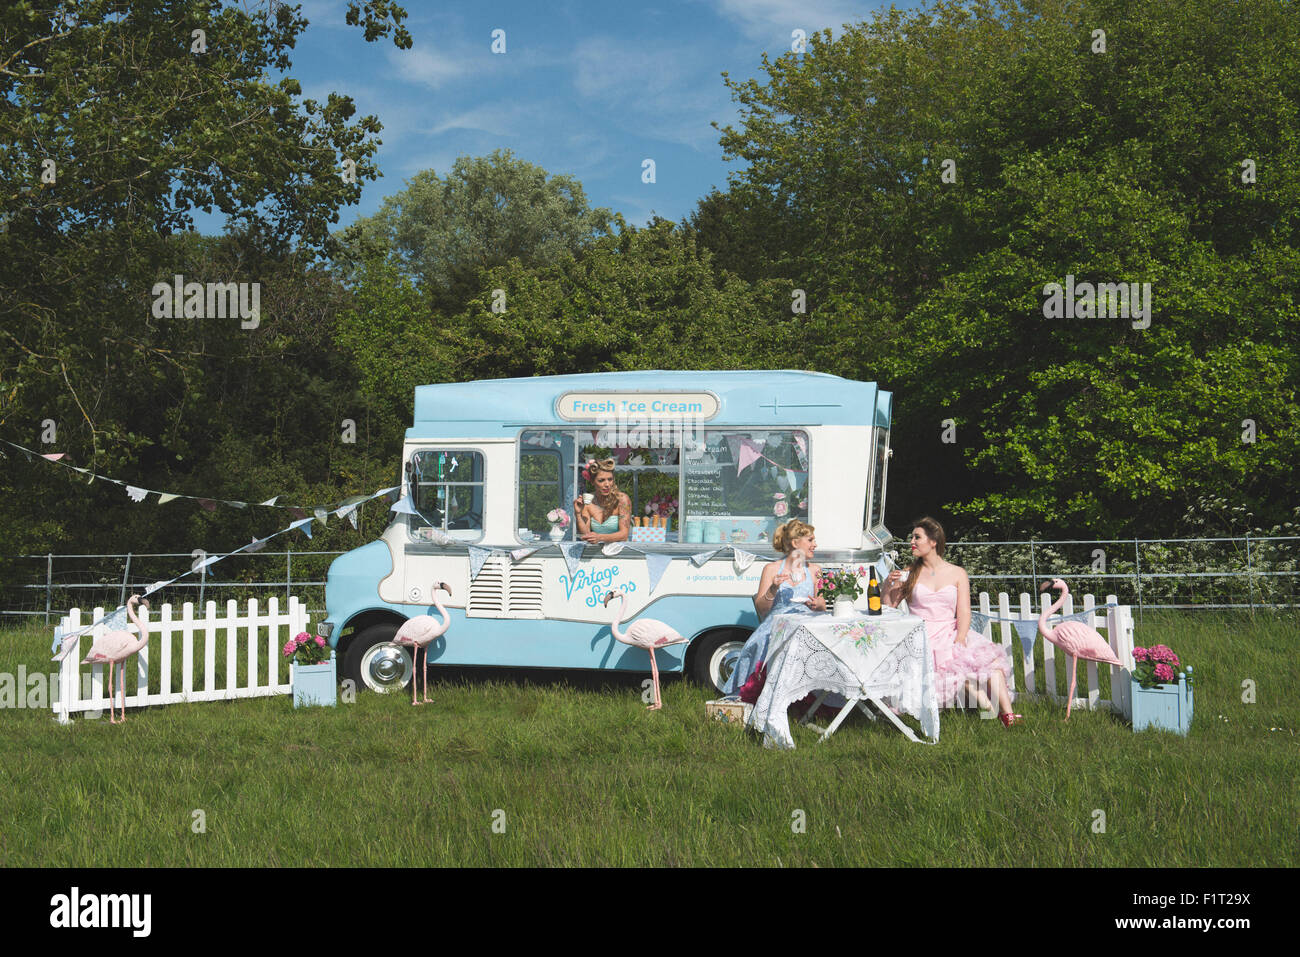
(573, 771)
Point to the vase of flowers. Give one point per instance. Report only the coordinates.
(559, 520)
(311, 670)
(1161, 695)
(841, 587)
(663, 506)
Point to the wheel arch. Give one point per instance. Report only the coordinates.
(363, 620)
(701, 639)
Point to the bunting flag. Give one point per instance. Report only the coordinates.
(699, 558)
(1027, 632)
(322, 515)
(743, 559)
(256, 545)
(749, 454)
(403, 506)
(613, 548)
(304, 524)
(979, 621)
(886, 564)
(733, 443)
(165, 497)
(135, 494)
(572, 555)
(519, 554)
(478, 554)
(656, 565)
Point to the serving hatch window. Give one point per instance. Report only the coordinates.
(740, 484)
(447, 493)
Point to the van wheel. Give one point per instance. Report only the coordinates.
(715, 657)
(375, 661)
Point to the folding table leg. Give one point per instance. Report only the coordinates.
(888, 713)
(806, 719)
(839, 718)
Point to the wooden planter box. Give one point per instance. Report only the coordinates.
(1167, 706)
(314, 684)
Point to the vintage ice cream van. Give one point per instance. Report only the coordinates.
(723, 457)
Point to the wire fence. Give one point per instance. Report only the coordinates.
(46, 586)
(1247, 572)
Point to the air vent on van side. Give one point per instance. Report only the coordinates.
(504, 589)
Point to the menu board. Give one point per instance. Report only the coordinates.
(705, 495)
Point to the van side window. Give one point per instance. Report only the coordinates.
(447, 493)
(875, 507)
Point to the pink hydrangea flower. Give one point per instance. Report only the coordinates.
(1164, 672)
(290, 647)
(320, 642)
(1139, 654)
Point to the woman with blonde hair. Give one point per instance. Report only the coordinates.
(786, 587)
(609, 517)
(964, 660)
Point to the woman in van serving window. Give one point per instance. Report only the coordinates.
(609, 517)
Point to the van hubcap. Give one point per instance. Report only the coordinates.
(723, 662)
(386, 667)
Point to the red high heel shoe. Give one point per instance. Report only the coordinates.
(1008, 719)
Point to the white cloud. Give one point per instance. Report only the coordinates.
(762, 19)
(427, 67)
(658, 91)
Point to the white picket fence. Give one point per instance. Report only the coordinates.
(1115, 624)
(255, 637)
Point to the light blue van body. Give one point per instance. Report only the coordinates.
(846, 425)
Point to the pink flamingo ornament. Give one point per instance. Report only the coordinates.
(1074, 638)
(419, 632)
(646, 633)
(115, 647)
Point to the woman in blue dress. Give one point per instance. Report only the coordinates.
(779, 593)
(609, 517)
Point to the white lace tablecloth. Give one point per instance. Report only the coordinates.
(876, 657)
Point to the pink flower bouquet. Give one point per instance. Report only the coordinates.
(307, 649)
(1155, 666)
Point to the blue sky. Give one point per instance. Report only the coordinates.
(585, 88)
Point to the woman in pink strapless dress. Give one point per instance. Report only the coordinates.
(965, 662)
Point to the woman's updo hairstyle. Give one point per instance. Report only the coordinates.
(784, 537)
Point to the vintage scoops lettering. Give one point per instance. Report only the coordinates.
(102, 910)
